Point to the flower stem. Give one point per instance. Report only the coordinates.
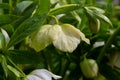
(54, 17)
(108, 43)
(66, 66)
(16, 67)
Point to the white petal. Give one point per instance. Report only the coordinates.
(44, 74)
(32, 77)
(7, 38)
(66, 37)
(98, 44)
(40, 39)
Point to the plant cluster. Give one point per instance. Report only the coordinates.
(75, 39)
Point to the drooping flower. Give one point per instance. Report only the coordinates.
(64, 37)
(41, 74)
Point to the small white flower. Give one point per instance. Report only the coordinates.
(98, 44)
(41, 74)
(64, 37)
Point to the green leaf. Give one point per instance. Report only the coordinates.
(43, 7)
(22, 6)
(104, 18)
(4, 5)
(26, 28)
(109, 72)
(5, 19)
(100, 77)
(4, 65)
(2, 41)
(8, 28)
(76, 16)
(25, 57)
(64, 9)
(96, 9)
(95, 12)
(15, 71)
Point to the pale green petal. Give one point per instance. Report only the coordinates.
(65, 37)
(41, 39)
(77, 32)
(84, 38)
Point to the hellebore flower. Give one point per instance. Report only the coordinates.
(41, 74)
(64, 37)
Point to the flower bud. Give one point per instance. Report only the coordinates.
(89, 68)
(94, 25)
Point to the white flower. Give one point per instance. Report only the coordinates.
(64, 37)
(41, 74)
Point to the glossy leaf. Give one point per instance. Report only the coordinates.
(104, 18)
(2, 41)
(64, 9)
(26, 28)
(43, 7)
(22, 6)
(96, 12)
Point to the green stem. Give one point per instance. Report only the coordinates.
(108, 43)
(10, 3)
(56, 20)
(65, 68)
(16, 66)
(47, 66)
